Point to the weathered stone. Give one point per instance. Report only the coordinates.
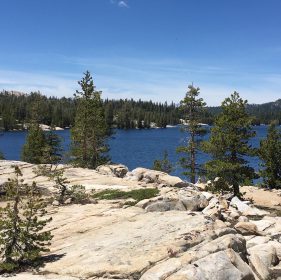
(167, 268)
(213, 210)
(247, 210)
(153, 176)
(243, 219)
(194, 203)
(118, 170)
(247, 228)
(220, 266)
(104, 241)
(116, 241)
(68, 200)
(208, 195)
(257, 240)
(240, 205)
(55, 203)
(162, 206)
(262, 257)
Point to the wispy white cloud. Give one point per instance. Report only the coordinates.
(120, 3)
(155, 79)
(123, 4)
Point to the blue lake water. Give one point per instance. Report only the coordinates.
(134, 148)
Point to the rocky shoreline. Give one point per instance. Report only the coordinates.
(183, 233)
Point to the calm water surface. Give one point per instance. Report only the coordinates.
(134, 148)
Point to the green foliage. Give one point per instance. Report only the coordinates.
(193, 108)
(164, 164)
(22, 235)
(52, 153)
(262, 113)
(138, 194)
(78, 194)
(41, 147)
(1, 156)
(270, 154)
(15, 110)
(55, 173)
(35, 145)
(228, 144)
(218, 185)
(90, 130)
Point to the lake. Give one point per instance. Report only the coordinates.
(134, 148)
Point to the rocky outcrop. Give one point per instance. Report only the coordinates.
(152, 176)
(180, 234)
(118, 170)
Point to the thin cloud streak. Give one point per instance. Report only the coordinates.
(155, 79)
(115, 88)
(123, 4)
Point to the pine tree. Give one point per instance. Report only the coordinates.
(228, 144)
(270, 154)
(35, 147)
(40, 147)
(90, 130)
(22, 237)
(163, 165)
(52, 153)
(193, 107)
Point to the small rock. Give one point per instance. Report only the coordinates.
(247, 228)
(68, 201)
(55, 203)
(243, 219)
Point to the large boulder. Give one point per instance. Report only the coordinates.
(194, 203)
(171, 266)
(247, 210)
(178, 202)
(165, 205)
(247, 228)
(262, 258)
(213, 210)
(220, 266)
(117, 170)
(153, 176)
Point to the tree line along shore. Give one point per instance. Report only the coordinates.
(15, 112)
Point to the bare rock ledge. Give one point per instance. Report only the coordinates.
(181, 234)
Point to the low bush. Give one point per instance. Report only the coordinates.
(137, 195)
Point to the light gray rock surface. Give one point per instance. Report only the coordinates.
(118, 170)
(181, 234)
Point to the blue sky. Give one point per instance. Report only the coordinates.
(148, 49)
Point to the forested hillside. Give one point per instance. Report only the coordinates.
(15, 111)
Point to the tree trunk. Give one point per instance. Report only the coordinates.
(236, 189)
(192, 157)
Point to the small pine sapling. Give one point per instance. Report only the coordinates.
(22, 235)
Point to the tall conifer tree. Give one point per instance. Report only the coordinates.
(228, 144)
(90, 130)
(192, 106)
(40, 147)
(270, 154)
